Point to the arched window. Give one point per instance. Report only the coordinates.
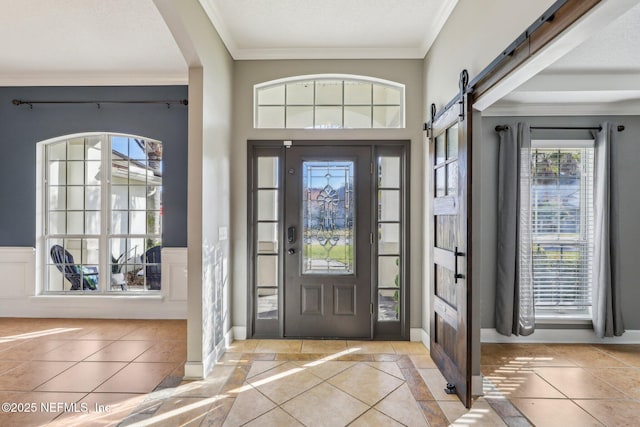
(102, 206)
(329, 101)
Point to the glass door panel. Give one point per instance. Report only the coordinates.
(328, 217)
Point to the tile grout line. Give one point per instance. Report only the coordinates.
(291, 358)
(493, 403)
(326, 381)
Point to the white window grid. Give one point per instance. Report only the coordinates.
(563, 252)
(105, 236)
(317, 107)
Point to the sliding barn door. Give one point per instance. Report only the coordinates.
(449, 160)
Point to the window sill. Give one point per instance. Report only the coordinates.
(573, 320)
(101, 297)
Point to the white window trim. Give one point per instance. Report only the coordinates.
(556, 318)
(42, 251)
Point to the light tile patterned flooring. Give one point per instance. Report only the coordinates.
(565, 385)
(88, 372)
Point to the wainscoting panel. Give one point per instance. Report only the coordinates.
(18, 297)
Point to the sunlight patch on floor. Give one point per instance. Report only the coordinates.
(37, 334)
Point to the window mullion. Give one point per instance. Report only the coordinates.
(105, 221)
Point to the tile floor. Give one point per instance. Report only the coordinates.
(61, 372)
(565, 385)
(100, 369)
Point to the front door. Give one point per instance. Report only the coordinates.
(449, 159)
(328, 240)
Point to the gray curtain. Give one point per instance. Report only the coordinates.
(514, 288)
(606, 298)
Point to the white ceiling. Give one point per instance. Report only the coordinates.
(600, 76)
(112, 42)
(76, 42)
(283, 29)
(100, 42)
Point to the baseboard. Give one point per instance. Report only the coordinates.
(420, 335)
(239, 333)
(577, 336)
(228, 338)
(477, 385)
(193, 371)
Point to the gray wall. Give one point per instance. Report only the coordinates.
(626, 153)
(21, 128)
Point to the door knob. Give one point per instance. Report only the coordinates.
(291, 251)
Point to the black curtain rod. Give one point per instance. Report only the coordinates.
(598, 128)
(168, 102)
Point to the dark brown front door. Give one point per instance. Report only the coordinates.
(327, 260)
(449, 162)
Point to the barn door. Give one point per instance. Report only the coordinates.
(449, 160)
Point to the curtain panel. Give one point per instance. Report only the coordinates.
(515, 312)
(606, 292)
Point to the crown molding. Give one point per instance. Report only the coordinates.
(92, 79)
(433, 30)
(328, 53)
(215, 17)
(238, 53)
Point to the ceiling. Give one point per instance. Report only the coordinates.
(600, 76)
(76, 42)
(285, 29)
(120, 42)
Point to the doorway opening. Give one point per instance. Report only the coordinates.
(328, 243)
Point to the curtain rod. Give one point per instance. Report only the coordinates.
(18, 102)
(598, 128)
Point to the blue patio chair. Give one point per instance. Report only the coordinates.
(86, 279)
(153, 268)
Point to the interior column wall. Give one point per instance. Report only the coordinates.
(210, 93)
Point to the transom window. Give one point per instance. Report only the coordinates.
(329, 102)
(103, 212)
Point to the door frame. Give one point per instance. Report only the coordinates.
(274, 328)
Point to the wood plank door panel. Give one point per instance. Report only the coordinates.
(449, 162)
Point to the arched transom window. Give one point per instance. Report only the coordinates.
(329, 102)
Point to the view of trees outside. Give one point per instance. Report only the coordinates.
(561, 198)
